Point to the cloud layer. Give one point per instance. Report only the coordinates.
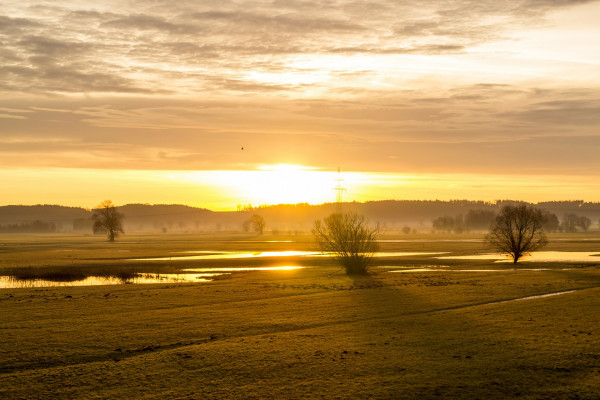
(452, 86)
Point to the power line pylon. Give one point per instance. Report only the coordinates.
(339, 192)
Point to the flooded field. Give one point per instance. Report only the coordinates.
(215, 255)
(135, 320)
(191, 275)
(7, 282)
(181, 259)
(538, 256)
(231, 255)
(425, 269)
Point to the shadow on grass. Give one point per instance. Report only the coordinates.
(438, 346)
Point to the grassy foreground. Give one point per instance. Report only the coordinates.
(304, 334)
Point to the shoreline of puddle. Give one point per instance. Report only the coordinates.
(188, 275)
(202, 275)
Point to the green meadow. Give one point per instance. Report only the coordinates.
(435, 328)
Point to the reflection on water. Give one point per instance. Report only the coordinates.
(260, 241)
(189, 275)
(538, 256)
(417, 270)
(238, 269)
(7, 282)
(474, 270)
(431, 240)
(228, 255)
(407, 254)
(539, 296)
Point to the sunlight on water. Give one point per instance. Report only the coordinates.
(215, 255)
(475, 270)
(418, 270)
(7, 282)
(539, 296)
(538, 256)
(431, 240)
(236, 269)
(407, 254)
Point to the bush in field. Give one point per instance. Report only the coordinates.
(257, 223)
(108, 219)
(445, 223)
(349, 239)
(551, 223)
(479, 219)
(571, 222)
(517, 231)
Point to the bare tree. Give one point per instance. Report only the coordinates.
(108, 219)
(349, 239)
(517, 231)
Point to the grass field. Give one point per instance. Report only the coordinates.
(310, 333)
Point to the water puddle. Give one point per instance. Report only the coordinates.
(9, 282)
(474, 270)
(260, 241)
(431, 240)
(241, 269)
(216, 255)
(407, 254)
(189, 275)
(539, 296)
(417, 270)
(538, 256)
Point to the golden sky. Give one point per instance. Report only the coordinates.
(153, 100)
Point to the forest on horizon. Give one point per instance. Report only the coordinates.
(455, 215)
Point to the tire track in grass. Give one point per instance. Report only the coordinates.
(121, 354)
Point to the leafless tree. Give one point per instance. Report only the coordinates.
(349, 239)
(517, 231)
(108, 219)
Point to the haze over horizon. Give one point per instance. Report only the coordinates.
(220, 103)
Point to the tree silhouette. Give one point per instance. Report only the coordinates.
(517, 231)
(349, 239)
(108, 219)
(257, 223)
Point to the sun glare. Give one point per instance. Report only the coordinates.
(276, 184)
(284, 183)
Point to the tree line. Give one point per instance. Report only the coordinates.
(476, 220)
(29, 227)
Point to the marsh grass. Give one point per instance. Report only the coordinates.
(125, 275)
(69, 274)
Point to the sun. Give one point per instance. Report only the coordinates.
(285, 184)
(273, 184)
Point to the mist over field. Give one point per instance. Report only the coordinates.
(285, 219)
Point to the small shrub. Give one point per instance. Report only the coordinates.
(349, 239)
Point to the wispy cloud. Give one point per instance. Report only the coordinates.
(127, 49)
(383, 85)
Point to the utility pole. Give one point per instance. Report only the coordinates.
(339, 191)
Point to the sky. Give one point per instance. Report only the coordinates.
(220, 103)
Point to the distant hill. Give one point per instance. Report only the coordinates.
(169, 217)
(61, 217)
(285, 217)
